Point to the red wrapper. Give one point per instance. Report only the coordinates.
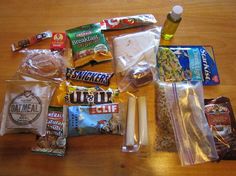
(127, 22)
(58, 42)
(30, 41)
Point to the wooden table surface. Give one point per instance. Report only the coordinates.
(209, 22)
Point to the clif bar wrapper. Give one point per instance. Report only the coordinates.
(97, 119)
(77, 95)
(194, 63)
(30, 41)
(127, 22)
(88, 76)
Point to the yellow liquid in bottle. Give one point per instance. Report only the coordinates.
(169, 28)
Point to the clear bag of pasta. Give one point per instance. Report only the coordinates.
(194, 140)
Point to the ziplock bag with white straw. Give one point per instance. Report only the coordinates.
(194, 140)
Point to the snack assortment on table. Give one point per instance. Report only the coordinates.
(48, 96)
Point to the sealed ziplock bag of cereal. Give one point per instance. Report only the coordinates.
(194, 140)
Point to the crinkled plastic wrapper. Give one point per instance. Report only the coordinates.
(135, 58)
(54, 143)
(26, 106)
(97, 119)
(221, 120)
(43, 65)
(194, 140)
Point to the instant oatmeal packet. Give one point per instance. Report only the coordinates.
(26, 106)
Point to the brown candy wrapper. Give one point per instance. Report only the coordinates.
(221, 120)
(26, 106)
(54, 143)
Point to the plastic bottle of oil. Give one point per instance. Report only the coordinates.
(172, 22)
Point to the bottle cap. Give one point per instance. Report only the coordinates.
(176, 12)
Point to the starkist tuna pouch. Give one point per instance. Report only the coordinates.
(88, 44)
(195, 63)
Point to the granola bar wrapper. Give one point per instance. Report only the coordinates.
(96, 119)
(26, 107)
(54, 142)
(220, 117)
(89, 45)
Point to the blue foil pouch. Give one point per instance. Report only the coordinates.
(97, 119)
(193, 63)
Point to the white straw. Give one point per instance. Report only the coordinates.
(143, 131)
(130, 122)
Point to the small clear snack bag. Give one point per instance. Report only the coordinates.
(135, 57)
(43, 64)
(194, 140)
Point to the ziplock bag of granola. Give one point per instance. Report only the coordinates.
(194, 140)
